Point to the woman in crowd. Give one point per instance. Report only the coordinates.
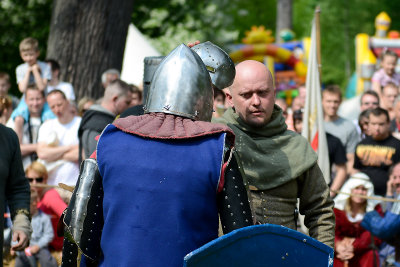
(354, 246)
(50, 202)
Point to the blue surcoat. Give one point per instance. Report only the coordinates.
(159, 196)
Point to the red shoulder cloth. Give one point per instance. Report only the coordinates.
(168, 126)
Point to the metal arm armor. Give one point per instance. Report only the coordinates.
(233, 203)
(84, 217)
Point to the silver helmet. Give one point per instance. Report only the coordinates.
(182, 86)
(218, 63)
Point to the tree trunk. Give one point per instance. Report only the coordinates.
(283, 17)
(86, 38)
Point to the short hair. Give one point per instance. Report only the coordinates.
(218, 92)
(5, 103)
(33, 87)
(369, 92)
(118, 87)
(39, 168)
(136, 90)
(53, 64)
(389, 85)
(297, 115)
(29, 44)
(5, 76)
(81, 104)
(390, 171)
(378, 112)
(363, 114)
(333, 89)
(109, 71)
(389, 52)
(57, 91)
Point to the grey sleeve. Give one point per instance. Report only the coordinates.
(317, 206)
(89, 142)
(353, 140)
(48, 234)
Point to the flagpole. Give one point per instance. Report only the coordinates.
(318, 39)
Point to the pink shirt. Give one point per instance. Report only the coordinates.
(382, 78)
(53, 205)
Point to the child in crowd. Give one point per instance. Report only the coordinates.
(55, 82)
(41, 236)
(50, 202)
(386, 73)
(5, 85)
(32, 71)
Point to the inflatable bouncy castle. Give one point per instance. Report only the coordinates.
(369, 49)
(285, 60)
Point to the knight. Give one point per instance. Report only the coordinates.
(157, 184)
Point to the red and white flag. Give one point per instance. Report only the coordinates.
(313, 117)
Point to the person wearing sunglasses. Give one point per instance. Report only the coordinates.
(50, 201)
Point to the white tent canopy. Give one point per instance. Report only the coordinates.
(137, 47)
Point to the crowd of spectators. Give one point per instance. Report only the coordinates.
(46, 119)
(56, 131)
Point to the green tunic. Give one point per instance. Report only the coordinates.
(14, 186)
(280, 166)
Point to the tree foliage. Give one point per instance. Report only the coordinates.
(20, 19)
(169, 23)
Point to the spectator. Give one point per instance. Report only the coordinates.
(338, 126)
(5, 86)
(109, 76)
(368, 100)
(117, 98)
(84, 104)
(219, 103)
(395, 123)
(389, 93)
(5, 109)
(50, 201)
(363, 121)
(337, 154)
(58, 141)
(27, 131)
(386, 73)
(15, 189)
(302, 95)
(353, 243)
(33, 70)
(42, 234)
(388, 227)
(136, 96)
(55, 82)
(297, 103)
(377, 152)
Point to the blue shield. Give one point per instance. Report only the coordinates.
(261, 245)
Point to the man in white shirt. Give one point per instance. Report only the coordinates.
(27, 130)
(58, 141)
(338, 126)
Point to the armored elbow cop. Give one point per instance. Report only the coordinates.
(84, 217)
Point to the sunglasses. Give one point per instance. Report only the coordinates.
(37, 179)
